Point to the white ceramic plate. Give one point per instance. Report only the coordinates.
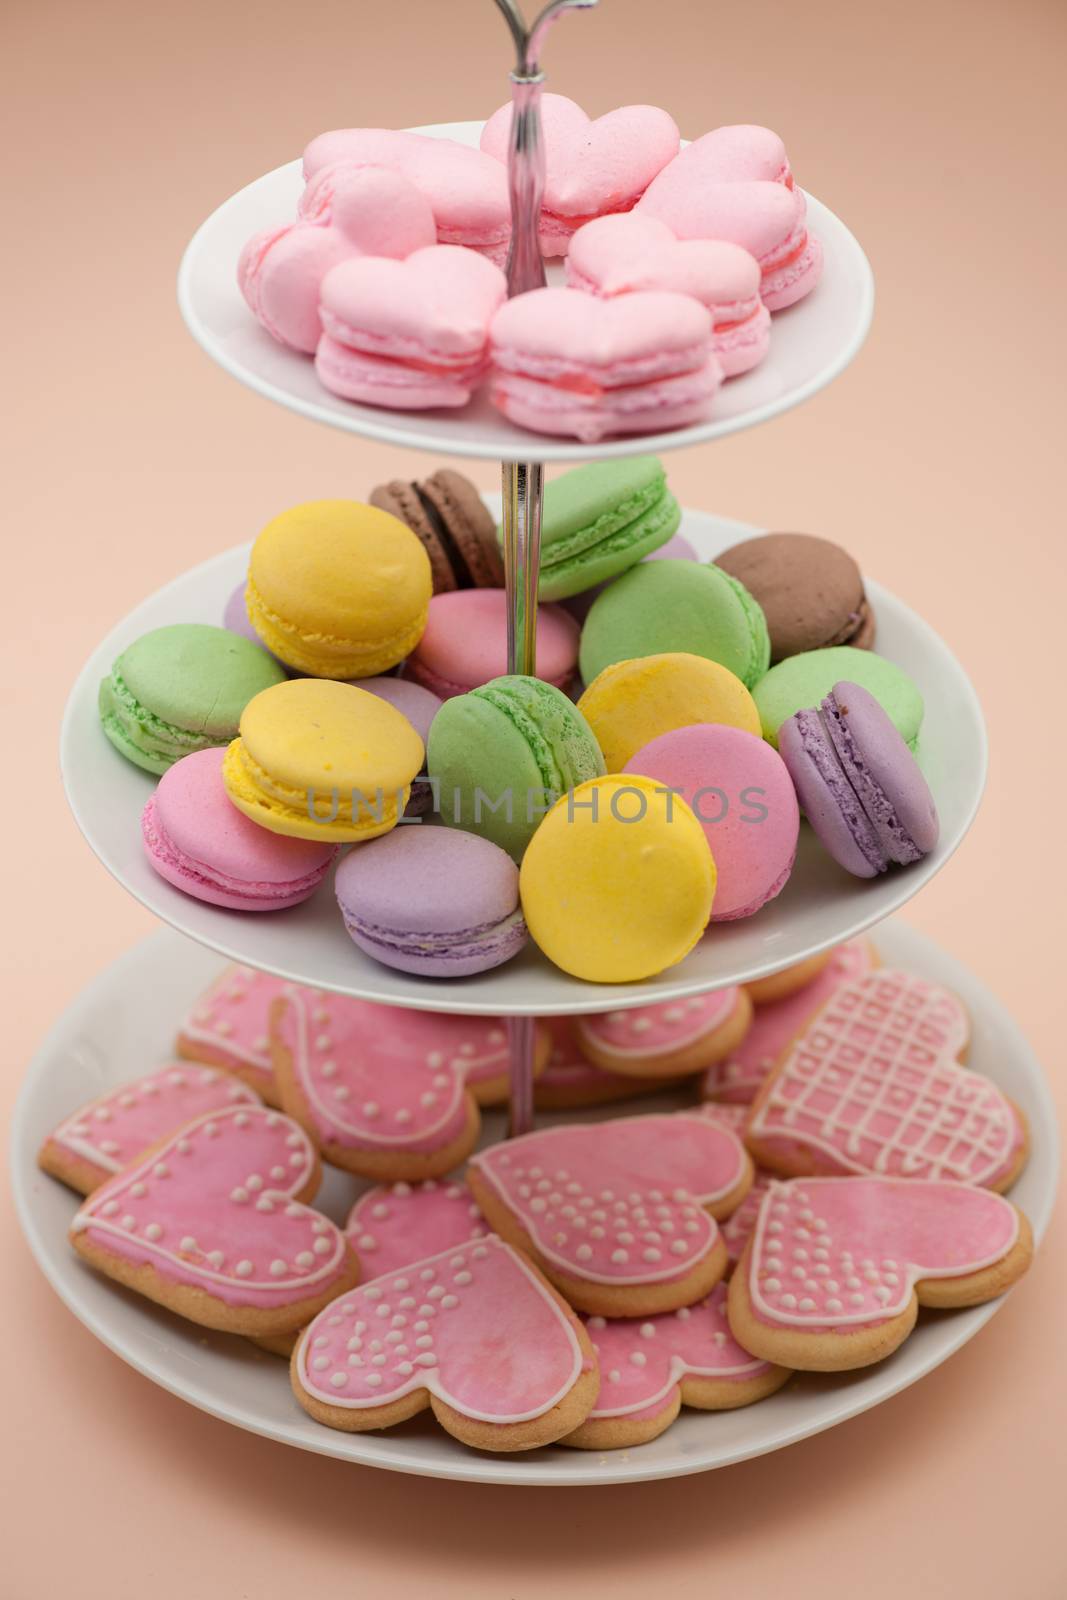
(810, 344)
(125, 1020)
(820, 905)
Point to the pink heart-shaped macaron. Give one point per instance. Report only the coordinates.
(474, 1329)
(847, 1252)
(592, 167)
(872, 1084)
(212, 1210)
(374, 212)
(737, 152)
(621, 254)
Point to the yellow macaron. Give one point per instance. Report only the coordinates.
(338, 589)
(633, 702)
(319, 760)
(618, 881)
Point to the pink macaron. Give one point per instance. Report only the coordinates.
(741, 793)
(465, 643)
(567, 363)
(592, 167)
(410, 334)
(374, 212)
(629, 253)
(467, 189)
(196, 839)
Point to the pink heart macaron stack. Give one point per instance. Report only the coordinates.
(630, 253)
(735, 184)
(592, 168)
(408, 334)
(373, 212)
(566, 363)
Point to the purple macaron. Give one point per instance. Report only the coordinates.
(420, 706)
(859, 784)
(432, 900)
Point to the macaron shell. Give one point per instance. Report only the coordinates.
(338, 589)
(741, 793)
(804, 681)
(468, 525)
(383, 381)
(601, 519)
(197, 840)
(616, 898)
(668, 607)
(465, 642)
(828, 799)
(810, 589)
(633, 702)
(883, 772)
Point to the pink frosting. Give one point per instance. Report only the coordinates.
(592, 167)
(646, 1032)
(620, 1202)
(111, 1132)
(740, 1223)
(740, 1077)
(476, 1328)
(381, 1077)
(566, 1067)
(642, 1362)
(842, 1252)
(212, 1209)
(230, 1023)
(465, 642)
(872, 1085)
(392, 1226)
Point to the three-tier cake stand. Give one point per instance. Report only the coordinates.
(126, 1019)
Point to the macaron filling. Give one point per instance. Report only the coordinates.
(651, 515)
(818, 746)
(470, 356)
(487, 944)
(255, 790)
(140, 734)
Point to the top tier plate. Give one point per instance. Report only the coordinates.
(810, 344)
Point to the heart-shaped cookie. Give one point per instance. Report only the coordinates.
(210, 1223)
(467, 189)
(650, 1368)
(776, 1024)
(385, 1091)
(570, 1079)
(669, 1040)
(394, 1226)
(630, 252)
(476, 1334)
(228, 1026)
(872, 1084)
(737, 1228)
(101, 1138)
(620, 1215)
(373, 212)
(836, 1268)
(592, 167)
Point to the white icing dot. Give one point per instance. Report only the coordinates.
(138, 1191)
(584, 1252)
(620, 1256)
(462, 1279)
(153, 1232)
(129, 1221)
(371, 1109)
(679, 1247)
(683, 1313)
(367, 1241)
(109, 1208)
(614, 1376)
(449, 1302)
(216, 1258)
(320, 1363)
(638, 1358)
(652, 1254)
(426, 1359)
(239, 1194)
(338, 1379)
(277, 1269)
(244, 1269)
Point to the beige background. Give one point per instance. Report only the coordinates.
(938, 460)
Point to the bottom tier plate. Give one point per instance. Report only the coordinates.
(124, 1022)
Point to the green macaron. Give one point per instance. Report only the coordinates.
(180, 689)
(601, 519)
(801, 682)
(500, 756)
(663, 607)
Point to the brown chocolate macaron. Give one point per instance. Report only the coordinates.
(810, 589)
(449, 516)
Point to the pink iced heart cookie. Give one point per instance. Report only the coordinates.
(837, 1267)
(393, 1226)
(410, 334)
(210, 1223)
(737, 1228)
(591, 167)
(384, 1091)
(776, 1024)
(373, 212)
(872, 1084)
(566, 363)
(621, 1215)
(725, 186)
(632, 253)
(467, 189)
(650, 1368)
(476, 1334)
(570, 1079)
(228, 1026)
(101, 1138)
(667, 1041)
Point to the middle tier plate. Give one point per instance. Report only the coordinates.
(820, 906)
